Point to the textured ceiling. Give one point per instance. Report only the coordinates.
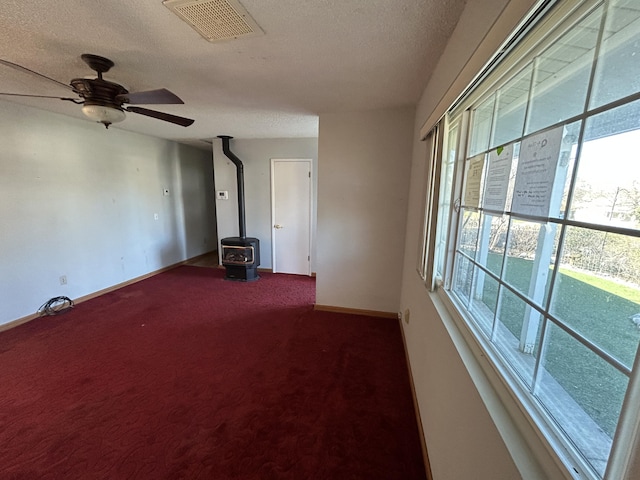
(316, 56)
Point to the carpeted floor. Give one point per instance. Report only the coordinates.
(185, 375)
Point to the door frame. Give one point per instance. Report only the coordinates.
(273, 209)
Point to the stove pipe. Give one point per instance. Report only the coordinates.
(240, 180)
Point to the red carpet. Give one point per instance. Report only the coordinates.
(185, 375)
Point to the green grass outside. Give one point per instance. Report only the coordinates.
(597, 308)
(624, 291)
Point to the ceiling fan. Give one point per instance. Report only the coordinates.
(104, 101)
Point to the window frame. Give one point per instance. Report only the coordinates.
(628, 432)
(432, 200)
(433, 169)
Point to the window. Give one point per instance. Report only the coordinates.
(431, 198)
(537, 237)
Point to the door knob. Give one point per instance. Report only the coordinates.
(278, 226)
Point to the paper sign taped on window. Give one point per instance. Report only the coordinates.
(497, 182)
(473, 180)
(536, 173)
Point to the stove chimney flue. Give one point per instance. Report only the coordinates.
(242, 228)
(240, 255)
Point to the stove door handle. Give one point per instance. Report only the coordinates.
(277, 226)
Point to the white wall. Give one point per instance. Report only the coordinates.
(256, 155)
(79, 200)
(363, 175)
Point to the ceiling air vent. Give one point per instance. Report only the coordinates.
(215, 20)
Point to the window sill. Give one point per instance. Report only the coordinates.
(537, 453)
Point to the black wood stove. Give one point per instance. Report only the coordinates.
(240, 255)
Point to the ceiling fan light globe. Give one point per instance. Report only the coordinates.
(102, 114)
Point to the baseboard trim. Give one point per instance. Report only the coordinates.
(33, 316)
(18, 321)
(355, 311)
(265, 270)
(259, 270)
(129, 282)
(199, 257)
(416, 407)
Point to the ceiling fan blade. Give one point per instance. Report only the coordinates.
(184, 122)
(31, 72)
(156, 97)
(74, 100)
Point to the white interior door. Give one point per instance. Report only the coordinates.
(291, 216)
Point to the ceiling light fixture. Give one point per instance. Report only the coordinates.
(103, 114)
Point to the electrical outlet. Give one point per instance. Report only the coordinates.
(407, 315)
(63, 280)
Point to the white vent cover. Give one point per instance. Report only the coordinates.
(215, 20)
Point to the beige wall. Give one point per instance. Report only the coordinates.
(363, 172)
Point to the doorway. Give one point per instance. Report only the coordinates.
(291, 216)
